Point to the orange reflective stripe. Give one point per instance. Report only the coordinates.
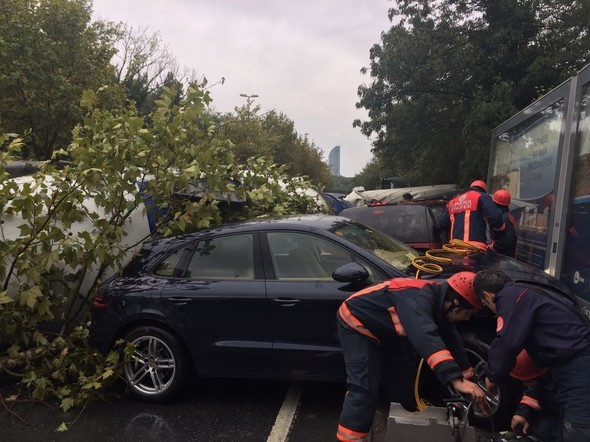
(499, 229)
(438, 357)
(353, 322)
(397, 323)
(370, 289)
(344, 434)
(452, 216)
(468, 373)
(521, 295)
(531, 402)
(467, 225)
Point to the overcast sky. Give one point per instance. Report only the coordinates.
(302, 57)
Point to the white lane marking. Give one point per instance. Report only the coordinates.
(280, 430)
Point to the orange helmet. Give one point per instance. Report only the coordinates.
(502, 197)
(462, 283)
(525, 369)
(480, 183)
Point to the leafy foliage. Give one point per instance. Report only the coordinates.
(449, 71)
(65, 230)
(341, 184)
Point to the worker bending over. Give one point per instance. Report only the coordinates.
(556, 335)
(468, 213)
(375, 323)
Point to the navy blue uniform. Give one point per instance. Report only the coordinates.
(467, 214)
(377, 323)
(504, 241)
(555, 335)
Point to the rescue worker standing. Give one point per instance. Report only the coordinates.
(555, 334)
(468, 213)
(375, 322)
(504, 241)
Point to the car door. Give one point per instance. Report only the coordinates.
(303, 301)
(219, 307)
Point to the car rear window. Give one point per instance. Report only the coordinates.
(407, 223)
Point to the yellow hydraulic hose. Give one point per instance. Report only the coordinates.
(421, 404)
(432, 255)
(458, 246)
(455, 247)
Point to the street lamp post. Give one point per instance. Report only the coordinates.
(249, 97)
(249, 100)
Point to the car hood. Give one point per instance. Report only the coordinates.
(517, 270)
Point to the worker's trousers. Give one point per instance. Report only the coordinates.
(570, 388)
(572, 395)
(367, 366)
(364, 361)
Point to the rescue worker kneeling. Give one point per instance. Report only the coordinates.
(373, 325)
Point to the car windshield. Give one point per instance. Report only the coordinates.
(385, 247)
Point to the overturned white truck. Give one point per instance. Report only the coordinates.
(58, 237)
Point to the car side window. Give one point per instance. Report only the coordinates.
(300, 256)
(223, 258)
(168, 264)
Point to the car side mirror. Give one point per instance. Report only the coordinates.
(351, 272)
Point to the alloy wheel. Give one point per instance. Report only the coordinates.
(151, 368)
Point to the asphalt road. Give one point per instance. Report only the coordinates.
(213, 410)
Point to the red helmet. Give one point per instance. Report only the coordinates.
(502, 197)
(480, 183)
(525, 369)
(462, 283)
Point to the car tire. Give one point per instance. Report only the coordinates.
(156, 370)
(509, 391)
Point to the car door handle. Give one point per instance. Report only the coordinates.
(286, 302)
(179, 300)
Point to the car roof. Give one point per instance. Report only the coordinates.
(297, 222)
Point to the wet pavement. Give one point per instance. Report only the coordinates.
(213, 410)
(220, 410)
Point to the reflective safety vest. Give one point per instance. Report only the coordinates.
(468, 214)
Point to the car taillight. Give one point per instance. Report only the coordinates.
(102, 301)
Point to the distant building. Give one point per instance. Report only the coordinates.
(334, 161)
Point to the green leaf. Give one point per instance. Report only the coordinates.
(5, 298)
(67, 403)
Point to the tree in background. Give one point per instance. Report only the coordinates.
(144, 65)
(273, 136)
(49, 53)
(342, 184)
(371, 174)
(450, 71)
